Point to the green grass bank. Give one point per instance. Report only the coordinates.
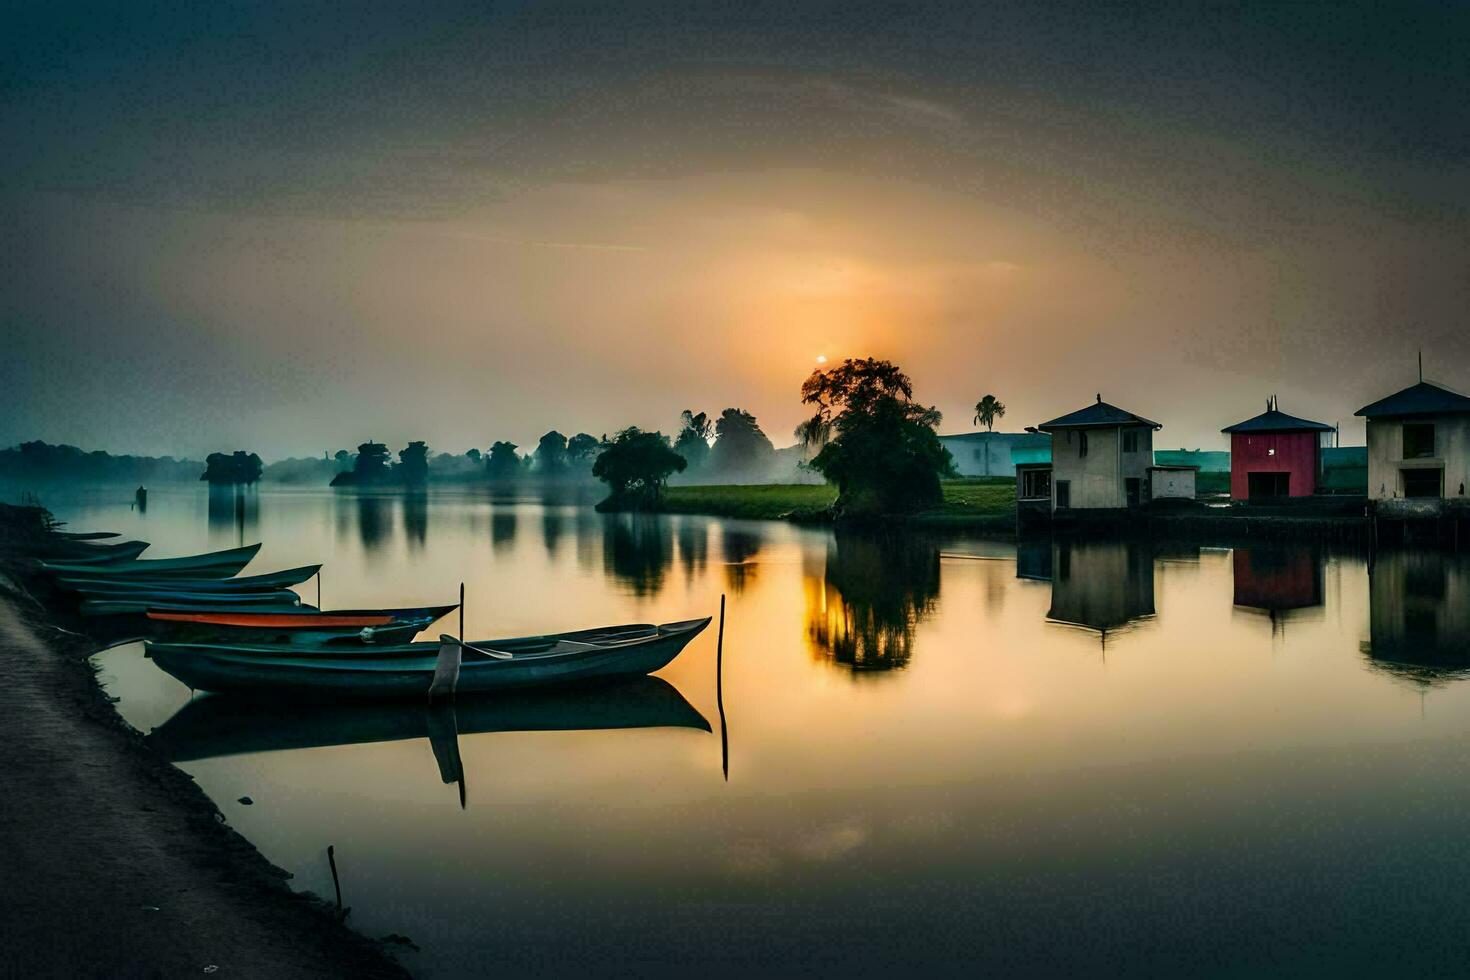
(987, 502)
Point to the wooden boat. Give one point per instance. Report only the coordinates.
(409, 670)
(216, 565)
(95, 586)
(302, 625)
(91, 555)
(212, 726)
(123, 603)
(86, 535)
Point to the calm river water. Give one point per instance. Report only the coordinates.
(944, 754)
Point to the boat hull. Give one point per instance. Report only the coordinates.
(331, 677)
(243, 626)
(132, 604)
(215, 565)
(97, 585)
(92, 556)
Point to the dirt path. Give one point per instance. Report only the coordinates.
(113, 863)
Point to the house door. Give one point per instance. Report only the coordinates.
(1131, 484)
(1423, 483)
(1064, 494)
(1266, 486)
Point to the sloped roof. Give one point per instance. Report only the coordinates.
(1420, 399)
(1274, 421)
(1097, 415)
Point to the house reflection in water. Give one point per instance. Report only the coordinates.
(1281, 582)
(1100, 585)
(863, 606)
(1419, 615)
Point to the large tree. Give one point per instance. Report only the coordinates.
(877, 444)
(551, 453)
(502, 463)
(740, 445)
(582, 449)
(371, 466)
(692, 443)
(235, 468)
(413, 464)
(987, 410)
(635, 466)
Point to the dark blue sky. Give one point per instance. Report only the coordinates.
(293, 227)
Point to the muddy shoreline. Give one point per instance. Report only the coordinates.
(116, 863)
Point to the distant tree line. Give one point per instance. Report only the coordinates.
(42, 461)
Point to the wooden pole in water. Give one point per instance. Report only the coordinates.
(319, 588)
(720, 693)
(461, 612)
(332, 860)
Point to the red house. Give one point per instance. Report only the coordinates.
(1274, 455)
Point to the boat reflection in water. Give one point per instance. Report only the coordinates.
(1099, 585)
(210, 726)
(1419, 615)
(1285, 583)
(871, 594)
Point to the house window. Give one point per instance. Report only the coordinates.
(1423, 483)
(1064, 494)
(979, 455)
(1130, 441)
(1082, 444)
(1418, 440)
(1035, 484)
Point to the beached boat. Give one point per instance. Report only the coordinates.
(124, 603)
(212, 726)
(215, 565)
(408, 671)
(97, 586)
(302, 625)
(90, 555)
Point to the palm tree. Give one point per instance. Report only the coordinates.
(987, 410)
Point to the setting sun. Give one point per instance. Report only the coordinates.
(821, 358)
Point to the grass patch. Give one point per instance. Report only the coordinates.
(983, 498)
(767, 501)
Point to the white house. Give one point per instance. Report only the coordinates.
(1418, 448)
(1100, 456)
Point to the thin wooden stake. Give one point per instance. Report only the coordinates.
(319, 588)
(461, 612)
(332, 860)
(720, 693)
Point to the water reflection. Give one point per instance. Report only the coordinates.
(738, 549)
(374, 520)
(692, 534)
(872, 592)
(1100, 585)
(553, 527)
(1278, 580)
(234, 512)
(637, 550)
(504, 522)
(1419, 615)
(209, 727)
(415, 518)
